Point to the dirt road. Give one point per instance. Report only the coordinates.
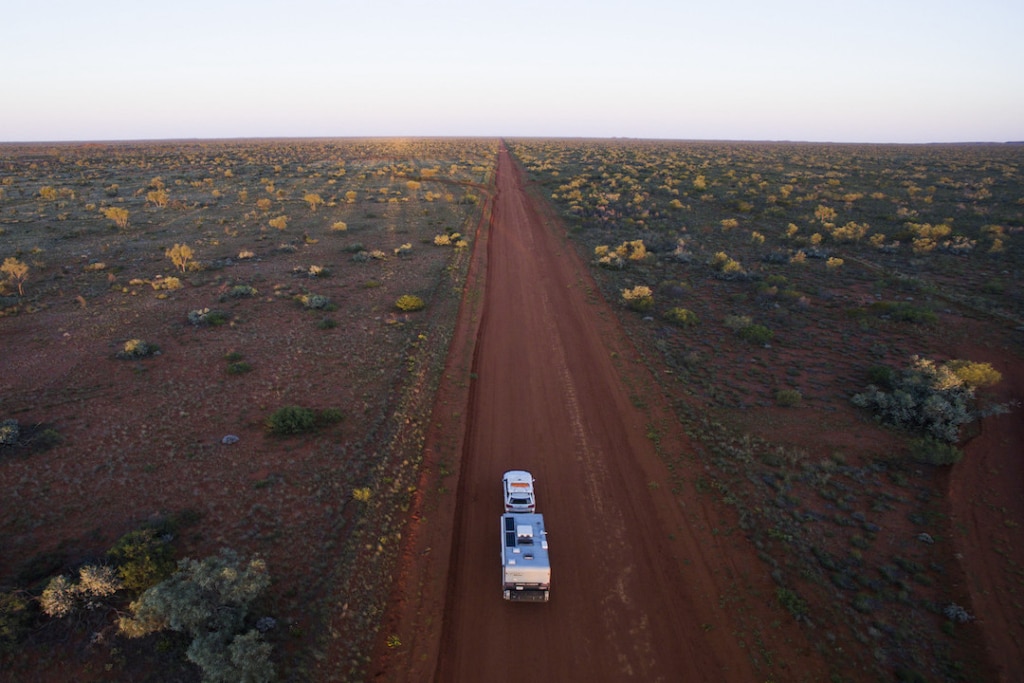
(625, 602)
(988, 509)
(643, 585)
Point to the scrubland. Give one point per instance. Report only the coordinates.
(801, 306)
(218, 345)
(837, 325)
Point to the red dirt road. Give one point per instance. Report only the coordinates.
(988, 510)
(547, 398)
(644, 587)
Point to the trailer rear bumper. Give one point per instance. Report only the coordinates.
(527, 594)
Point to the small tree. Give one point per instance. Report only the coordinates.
(180, 255)
(62, 597)
(927, 397)
(58, 598)
(825, 214)
(158, 197)
(209, 600)
(314, 200)
(16, 272)
(117, 214)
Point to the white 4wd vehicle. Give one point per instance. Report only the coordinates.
(519, 495)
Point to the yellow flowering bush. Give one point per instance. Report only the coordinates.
(639, 298)
(409, 303)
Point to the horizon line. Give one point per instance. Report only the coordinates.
(265, 138)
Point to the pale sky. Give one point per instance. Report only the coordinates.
(815, 70)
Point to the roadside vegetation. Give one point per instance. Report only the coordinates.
(247, 334)
(804, 304)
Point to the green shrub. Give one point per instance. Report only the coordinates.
(204, 316)
(136, 348)
(683, 317)
(15, 620)
(864, 603)
(143, 558)
(935, 452)
(327, 324)
(738, 322)
(9, 432)
(881, 376)
(792, 601)
(996, 286)
(755, 334)
(315, 301)
(239, 368)
(291, 420)
(409, 303)
(240, 291)
(47, 439)
(209, 600)
(925, 397)
(329, 416)
(903, 311)
(243, 657)
(788, 397)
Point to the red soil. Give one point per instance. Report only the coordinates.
(638, 580)
(540, 376)
(987, 497)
